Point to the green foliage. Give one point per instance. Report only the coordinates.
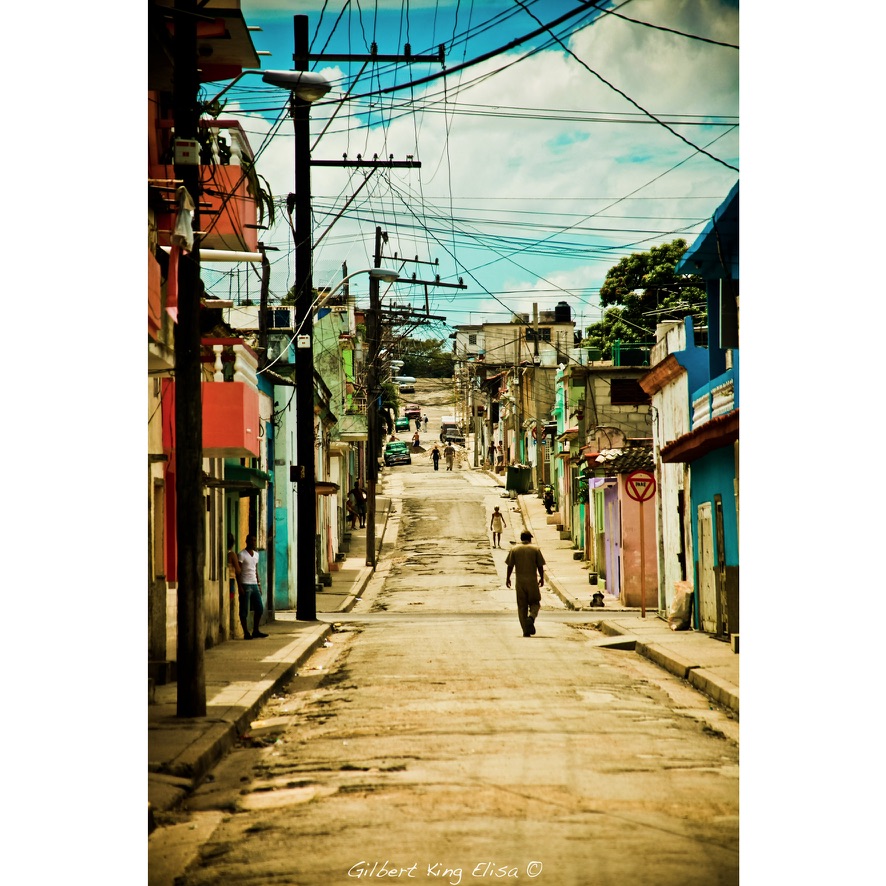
(641, 291)
(389, 406)
(425, 358)
(263, 196)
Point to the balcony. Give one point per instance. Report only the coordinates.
(227, 208)
(230, 402)
(631, 353)
(714, 400)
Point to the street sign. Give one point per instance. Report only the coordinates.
(640, 485)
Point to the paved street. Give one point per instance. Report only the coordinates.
(431, 741)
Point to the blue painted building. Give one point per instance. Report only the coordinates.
(709, 449)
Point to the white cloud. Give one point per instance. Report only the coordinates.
(540, 175)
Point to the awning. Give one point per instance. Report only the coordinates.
(325, 487)
(714, 434)
(244, 478)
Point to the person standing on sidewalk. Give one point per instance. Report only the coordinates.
(526, 559)
(358, 497)
(496, 524)
(250, 590)
(233, 574)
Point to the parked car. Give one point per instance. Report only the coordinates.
(402, 423)
(407, 389)
(448, 425)
(412, 410)
(397, 453)
(455, 438)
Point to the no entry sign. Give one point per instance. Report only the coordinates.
(640, 485)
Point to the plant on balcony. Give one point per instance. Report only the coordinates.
(263, 196)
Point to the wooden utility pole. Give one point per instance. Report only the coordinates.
(263, 362)
(189, 494)
(306, 499)
(373, 329)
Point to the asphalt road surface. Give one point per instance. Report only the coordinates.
(432, 743)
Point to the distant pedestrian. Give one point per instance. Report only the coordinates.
(490, 454)
(416, 441)
(358, 499)
(426, 424)
(449, 455)
(496, 524)
(526, 559)
(500, 454)
(435, 455)
(250, 590)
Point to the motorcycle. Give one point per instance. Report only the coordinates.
(548, 499)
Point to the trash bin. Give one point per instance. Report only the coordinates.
(519, 477)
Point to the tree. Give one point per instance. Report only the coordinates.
(425, 358)
(641, 291)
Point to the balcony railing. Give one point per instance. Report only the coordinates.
(631, 353)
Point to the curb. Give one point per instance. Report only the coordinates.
(184, 774)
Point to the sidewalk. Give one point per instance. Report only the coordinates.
(707, 664)
(240, 677)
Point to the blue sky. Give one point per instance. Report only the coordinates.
(541, 167)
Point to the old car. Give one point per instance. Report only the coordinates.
(407, 389)
(397, 453)
(402, 423)
(412, 410)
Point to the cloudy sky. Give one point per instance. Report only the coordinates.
(540, 166)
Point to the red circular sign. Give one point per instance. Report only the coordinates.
(640, 485)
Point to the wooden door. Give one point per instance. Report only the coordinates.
(707, 580)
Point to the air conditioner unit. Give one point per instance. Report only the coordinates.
(280, 318)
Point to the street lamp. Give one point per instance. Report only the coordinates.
(305, 87)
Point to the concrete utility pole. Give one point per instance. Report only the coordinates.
(190, 514)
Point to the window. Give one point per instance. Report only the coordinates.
(472, 339)
(627, 392)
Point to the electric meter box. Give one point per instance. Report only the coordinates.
(187, 152)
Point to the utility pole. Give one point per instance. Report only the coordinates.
(374, 334)
(263, 362)
(306, 505)
(190, 515)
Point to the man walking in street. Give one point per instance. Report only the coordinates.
(527, 560)
(250, 590)
(449, 455)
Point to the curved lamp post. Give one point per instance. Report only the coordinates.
(305, 87)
